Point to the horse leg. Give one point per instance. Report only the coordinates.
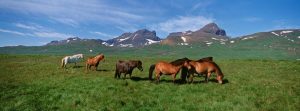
(116, 73)
(207, 77)
(130, 75)
(174, 78)
(191, 78)
(75, 64)
(157, 77)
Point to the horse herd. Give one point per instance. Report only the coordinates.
(205, 66)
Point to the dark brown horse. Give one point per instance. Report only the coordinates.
(184, 70)
(94, 61)
(127, 67)
(205, 67)
(168, 68)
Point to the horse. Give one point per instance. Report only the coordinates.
(127, 67)
(70, 59)
(94, 61)
(166, 68)
(205, 67)
(184, 70)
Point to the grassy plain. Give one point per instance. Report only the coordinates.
(36, 82)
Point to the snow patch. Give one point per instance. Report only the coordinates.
(91, 50)
(250, 37)
(275, 33)
(209, 43)
(151, 42)
(75, 39)
(106, 44)
(184, 44)
(299, 37)
(120, 40)
(184, 39)
(126, 45)
(232, 41)
(214, 38)
(285, 32)
(68, 41)
(134, 36)
(222, 43)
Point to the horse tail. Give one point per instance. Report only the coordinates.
(219, 72)
(151, 69)
(62, 63)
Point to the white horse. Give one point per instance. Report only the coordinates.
(71, 59)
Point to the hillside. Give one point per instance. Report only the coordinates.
(277, 44)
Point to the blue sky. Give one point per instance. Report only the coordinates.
(37, 22)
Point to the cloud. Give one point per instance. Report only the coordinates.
(182, 23)
(52, 35)
(201, 5)
(101, 33)
(66, 21)
(73, 12)
(15, 32)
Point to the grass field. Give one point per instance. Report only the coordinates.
(35, 82)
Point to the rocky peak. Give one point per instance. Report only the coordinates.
(138, 38)
(213, 28)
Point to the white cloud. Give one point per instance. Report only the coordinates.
(52, 35)
(103, 34)
(15, 32)
(182, 23)
(73, 12)
(26, 26)
(66, 21)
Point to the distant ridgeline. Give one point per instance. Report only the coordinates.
(210, 40)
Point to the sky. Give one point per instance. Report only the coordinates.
(37, 22)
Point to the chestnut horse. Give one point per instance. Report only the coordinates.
(205, 67)
(184, 70)
(168, 69)
(94, 61)
(127, 67)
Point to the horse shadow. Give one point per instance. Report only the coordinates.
(225, 81)
(134, 78)
(77, 66)
(102, 70)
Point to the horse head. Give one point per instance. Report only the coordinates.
(187, 64)
(139, 65)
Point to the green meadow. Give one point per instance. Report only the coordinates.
(36, 82)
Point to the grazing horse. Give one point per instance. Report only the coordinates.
(205, 67)
(127, 67)
(184, 70)
(168, 68)
(94, 61)
(70, 59)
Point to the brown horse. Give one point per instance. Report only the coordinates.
(205, 67)
(168, 69)
(94, 61)
(184, 70)
(127, 67)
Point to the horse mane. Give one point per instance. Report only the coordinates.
(179, 61)
(219, 71)
(205, 59)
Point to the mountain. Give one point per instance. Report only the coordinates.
(288, 39)
(73, 40)
(209, 34)
(139, 38)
